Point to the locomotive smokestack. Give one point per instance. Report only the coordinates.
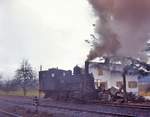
(86, 67)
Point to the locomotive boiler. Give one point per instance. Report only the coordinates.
(64, 85)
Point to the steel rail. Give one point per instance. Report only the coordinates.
(86, 110)
(137, 106)
(127, 105)
(72, 109)
(10, 114)
(142, 107)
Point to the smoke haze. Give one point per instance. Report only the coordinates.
(123, 26)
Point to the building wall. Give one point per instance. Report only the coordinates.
(111, 79)
(144, 85)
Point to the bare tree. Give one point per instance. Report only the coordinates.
(25, 76)
(1, 82)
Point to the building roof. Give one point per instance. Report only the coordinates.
(123, 64)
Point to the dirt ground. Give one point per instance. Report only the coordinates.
(28, 113)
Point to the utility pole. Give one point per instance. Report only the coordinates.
(41, 68)
(36, 103)
(124, 84)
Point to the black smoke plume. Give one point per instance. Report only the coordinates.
(123, 27)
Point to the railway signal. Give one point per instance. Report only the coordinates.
(36, 103)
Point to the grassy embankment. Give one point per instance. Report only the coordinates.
(30, 93)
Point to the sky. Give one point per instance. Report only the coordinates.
(50, 33)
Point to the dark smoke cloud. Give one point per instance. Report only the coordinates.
(123, 26)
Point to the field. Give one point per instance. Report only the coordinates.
(30, 93)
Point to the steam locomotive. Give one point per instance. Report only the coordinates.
(63, 85)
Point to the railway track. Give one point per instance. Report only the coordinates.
(129, 105)
(137, 106)
(93, 111)
(73, 109)
(8, 114)
(88, 111)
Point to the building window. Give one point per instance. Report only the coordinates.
(132, 84)
(99, 72)
(103, 85)
(97, 83)
(119, 84)
(52, 75)
(64, 74)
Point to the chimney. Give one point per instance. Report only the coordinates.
(86, 67)
(41, 67)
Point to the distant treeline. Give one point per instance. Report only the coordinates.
(25, 79)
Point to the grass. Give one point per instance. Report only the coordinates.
(144, 93)
(30, 93)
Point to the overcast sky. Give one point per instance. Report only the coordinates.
(46, 32)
